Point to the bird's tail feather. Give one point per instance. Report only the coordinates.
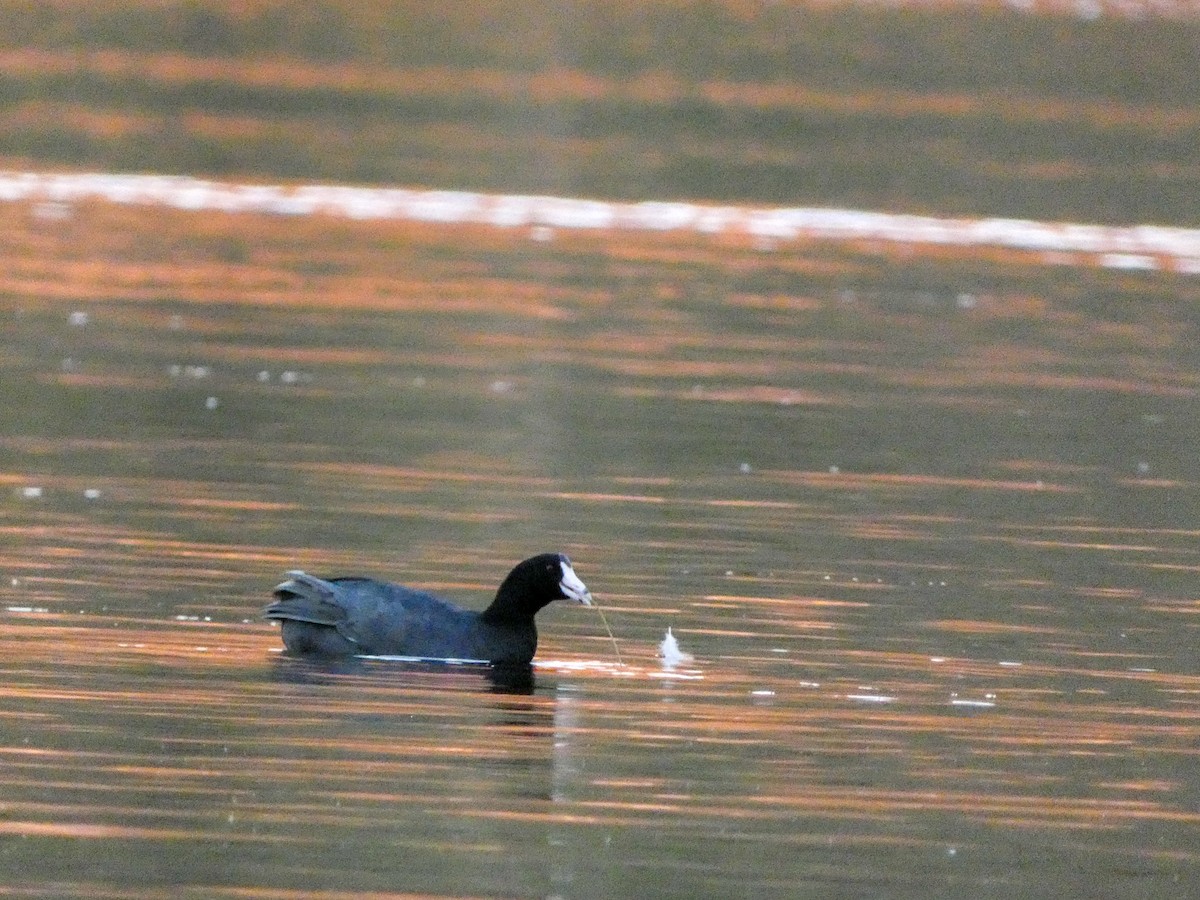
(305, 598)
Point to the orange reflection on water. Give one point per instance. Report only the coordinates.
(863, 480)
(474, 392)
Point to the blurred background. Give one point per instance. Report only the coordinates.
(1076, 111)
(920, 495)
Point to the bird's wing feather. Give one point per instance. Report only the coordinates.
(399, 619)
(378, 616)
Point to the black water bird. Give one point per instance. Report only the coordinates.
(340, 617)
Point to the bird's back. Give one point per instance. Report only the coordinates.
(367, 616)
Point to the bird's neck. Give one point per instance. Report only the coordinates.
(506, 610)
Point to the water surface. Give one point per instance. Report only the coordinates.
(926, 520)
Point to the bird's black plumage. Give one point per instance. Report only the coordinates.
(349, 616)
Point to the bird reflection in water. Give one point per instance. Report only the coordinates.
(499, 679)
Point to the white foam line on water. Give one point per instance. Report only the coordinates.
(1133, 247)
(449, 661)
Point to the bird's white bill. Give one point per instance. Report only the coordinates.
(573, 588)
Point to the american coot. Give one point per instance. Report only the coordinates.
(348, 616)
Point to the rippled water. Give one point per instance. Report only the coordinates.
(927, 522)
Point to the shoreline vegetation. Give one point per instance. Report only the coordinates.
(937, 109)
